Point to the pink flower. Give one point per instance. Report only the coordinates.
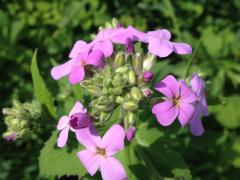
(77, 119)
(99, 152)
(75, 66)
(178, 103)
(198, 86)
(130, 133)
(147, 76)
(160, 44)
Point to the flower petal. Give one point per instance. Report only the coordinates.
(137, 35)
(197, 85)
(185, 113)
(159, 47)
(186, 94)
(161, 34)
(111, 169)
(105, 46)
(165, 112)
(95, 58)
(77, 48)
(89, 138)
(62, 70)
(203, 108)
(89, 160)
(63, 122)
(77, 108)
(120, 35)
(196, 126)
(77, 74)
(168, 86)
(113, 140)
(63, 137)
(182, 48)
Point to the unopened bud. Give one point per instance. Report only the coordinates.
(136, 93)
(115, 23)
(80, 120)
(104, 116)
(130, 133)
(149, 62)
(130, 105)
(147, 76)
(94, 90)
(10, 136)
(147, 92)
(137, 63)
(131, 118)
(131, 77)
(122, 70)
(119, 60)
(129, 47)
(107, 107)
(119, 100)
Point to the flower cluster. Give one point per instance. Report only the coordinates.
(118, 77)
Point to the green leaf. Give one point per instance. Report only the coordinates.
(40, 89)
(54, 161)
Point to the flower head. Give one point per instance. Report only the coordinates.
(160, 44)
(198, 86)
(77, 119)
(178, 103)
(75, 67)
(99, 152)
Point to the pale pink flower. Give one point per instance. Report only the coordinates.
(77, 119)
(99, 152)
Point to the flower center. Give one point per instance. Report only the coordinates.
(176, 101)
(101, 151)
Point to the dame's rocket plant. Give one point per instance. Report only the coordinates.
(116, 75)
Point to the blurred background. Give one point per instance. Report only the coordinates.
(210, 26)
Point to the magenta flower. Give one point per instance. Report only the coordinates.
(129, 47)
(130, 133)
(75, 66)
(178, 103)
(77, 119)
(99, 152)
(160, 44)
(147, 76)
(198, 86)
(137, 35)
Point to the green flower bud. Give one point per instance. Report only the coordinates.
(104, 116)
(131, 117)
(119, 60)
(16, 104)
(108, 25)
(122, 70)
(131, 77)
(137, 63)
(119, 100)
(149, 62)
(130, 105)
(136, 93)
(9, 112)
(94, 90)
(115, 22)
(107, 107)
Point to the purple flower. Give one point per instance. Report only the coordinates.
(198, 86)
(130, 133)
(178, 103)
(129, 47)
(75, 66)
(147, 76)
(77, 119)
(137, 35)
(11, 137)
(99, 152)
(160, 44)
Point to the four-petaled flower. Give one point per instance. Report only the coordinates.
(198, 86)
(77, 119)
(99, 152)
(160, 44)
(75, 66)
(179, 102)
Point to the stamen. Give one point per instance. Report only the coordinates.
(101, 151)
(176, 101)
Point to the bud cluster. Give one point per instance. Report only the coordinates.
(21, 119)
(120, 83)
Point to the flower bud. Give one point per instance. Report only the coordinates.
(131, 77)
(130, 133)
(147, 92)
(149, 62)
(80, 120)
(115, 23)
(104, 107)
(147, 76)
(94, 90)
(10, 136)
(136, 94)
(137, 63)
(129, 47)
(130, 105)
(104, 116)
(119, 60)
(122, 70)
(119, 100)
(131, 118)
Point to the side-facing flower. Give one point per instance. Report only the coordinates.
(160, 44)
(178, 103)
(75, 66)
(77, 119)
(198, 86)
(99, 152)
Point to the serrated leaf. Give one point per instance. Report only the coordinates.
(54, 161)
(40, 89)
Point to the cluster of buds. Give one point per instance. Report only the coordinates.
(21, 119)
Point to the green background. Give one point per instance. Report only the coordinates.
(211, 27)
